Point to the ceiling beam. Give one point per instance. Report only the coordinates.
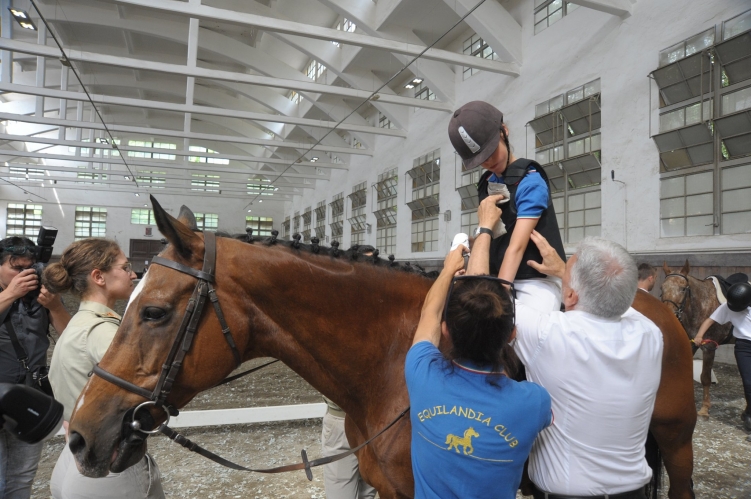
(213, 74)
(157, 132)
(143, 162)
(619, 8)
(195, 10)
(195, 109)
(175, 152)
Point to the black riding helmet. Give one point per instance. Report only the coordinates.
(739, 296)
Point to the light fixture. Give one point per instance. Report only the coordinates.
(409, 85)
(23, 18)
(137, 195)
(260, 200)
(315, 158)
(249, 211)
(145, 206)
(28, 200)
(127, 177)
(417, 81)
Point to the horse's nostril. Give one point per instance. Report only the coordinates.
(76, 442)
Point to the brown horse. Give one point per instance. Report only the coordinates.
(344, 325)
(692, 301)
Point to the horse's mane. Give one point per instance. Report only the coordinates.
(358, 253)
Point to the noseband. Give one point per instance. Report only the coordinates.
(186, 333)
(686, 293)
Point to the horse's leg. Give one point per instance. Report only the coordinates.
(674, 440)
(706, 381)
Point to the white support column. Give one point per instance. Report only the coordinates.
(6, 67)
(191, 80)
(62, 112)
(41, 68)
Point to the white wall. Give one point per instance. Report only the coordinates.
(583, 46)
(59, 211)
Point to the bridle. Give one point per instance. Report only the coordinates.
(679, 308)
(186, 333)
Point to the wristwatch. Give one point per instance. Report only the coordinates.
(483, 230)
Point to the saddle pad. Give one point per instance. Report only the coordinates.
(718, 289)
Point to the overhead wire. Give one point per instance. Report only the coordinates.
(66, 62)
(370, 97)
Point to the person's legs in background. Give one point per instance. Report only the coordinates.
(18, 466)
(743, 359)
(341, 478)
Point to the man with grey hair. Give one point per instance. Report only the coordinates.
(600, 361)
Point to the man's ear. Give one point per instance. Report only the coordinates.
(570, 298)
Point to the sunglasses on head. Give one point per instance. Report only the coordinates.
(512, 290)
(19, 250)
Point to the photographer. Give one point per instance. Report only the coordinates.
(30, 316)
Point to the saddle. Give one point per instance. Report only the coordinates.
(722, 285)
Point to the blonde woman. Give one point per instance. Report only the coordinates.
(97, 271)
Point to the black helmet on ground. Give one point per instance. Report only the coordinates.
(739, 296)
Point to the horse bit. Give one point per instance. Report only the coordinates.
(183, 341)
(686, 293)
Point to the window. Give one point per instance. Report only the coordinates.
(155, 155)
(426, 176)
(150, 179)
(337, 215)
(204, 182)
(90, 221)
(315, 70)
(206, 159)
(285, 227)
(261, 189)
(477, 47)
(142, 216)
(704, 138)
(686, 205)
(423, 92)
(358, 200)
(345, 25)
(568, 147)
(548, 12)
(384, 122)
(88, 178)
(468, 193)
(295, 97)
(386, 190)
(30, 174)
(469, 222)
(321, 220)
(207, 221)
(262, 226)
(296, 223)
(307, 215)
(23, 220)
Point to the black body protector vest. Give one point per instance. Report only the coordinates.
(547, 225)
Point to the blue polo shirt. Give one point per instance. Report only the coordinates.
(531, 194)
(470, 438)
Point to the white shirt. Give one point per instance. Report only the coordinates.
(602, 376)
(741, 320)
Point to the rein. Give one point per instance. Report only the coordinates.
(686, 294)
(188, 328)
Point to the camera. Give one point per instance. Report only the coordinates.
(29, 414)
(42, 254)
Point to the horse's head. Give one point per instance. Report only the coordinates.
(103, 436)
(676, 289)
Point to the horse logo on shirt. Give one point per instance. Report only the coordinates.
(455, 441)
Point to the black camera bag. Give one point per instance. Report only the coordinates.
(37, 377)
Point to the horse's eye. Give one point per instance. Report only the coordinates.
(153, 313)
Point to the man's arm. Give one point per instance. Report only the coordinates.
(488, 214)
(552, 264)
(429, 328)
(59, 316)
(21, 284)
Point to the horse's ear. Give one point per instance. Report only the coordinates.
(187, 217)
(686, 268)
(665, 267)
(181, 237)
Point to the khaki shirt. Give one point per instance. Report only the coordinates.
(81, 346)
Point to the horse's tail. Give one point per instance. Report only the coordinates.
(654, 461)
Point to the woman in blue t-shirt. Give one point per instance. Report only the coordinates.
(472, 426)
(480, 137)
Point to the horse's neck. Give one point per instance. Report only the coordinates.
(700, 305)
(344, 328)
